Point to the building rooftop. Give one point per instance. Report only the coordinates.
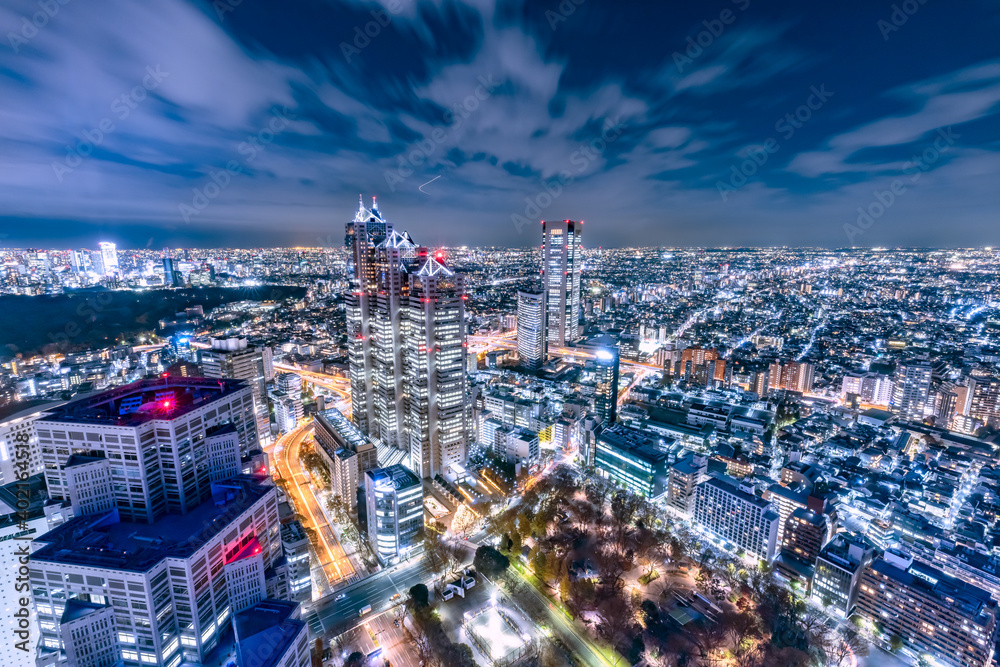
(639, 443)
(933, 582)
(103, 540)
(265, 631)
(37, 498)
(345, 433)
(24, 408)
(81, 459)
(732, 486)
(399, 476)
(145, 400)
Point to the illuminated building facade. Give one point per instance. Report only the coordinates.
(395, 501)
(532, 344)
(952, 621)
(562, 268)
(406, 331)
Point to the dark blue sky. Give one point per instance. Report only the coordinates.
(733, 122)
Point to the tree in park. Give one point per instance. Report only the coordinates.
(516, 544)
(564, 587)
(490, 562)
(420, 595)
(524, 525)
(540, 564)
(465, 520)
(553, 565)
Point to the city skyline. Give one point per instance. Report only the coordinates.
(575, 333)
(739, 123)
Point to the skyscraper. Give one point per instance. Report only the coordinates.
(406, 345)
(169, 276)
(234, 358)
(81, 261)
(109, 258)
(562, 267)
(532, 344)
(606, 392)
(912, 389)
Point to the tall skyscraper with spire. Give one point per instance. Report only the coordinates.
(562, 268)
(406, 345)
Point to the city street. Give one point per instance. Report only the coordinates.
(285, 455)
(331, 615)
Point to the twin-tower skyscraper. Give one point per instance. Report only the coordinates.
(406, 328)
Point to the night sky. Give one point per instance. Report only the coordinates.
(257, 123)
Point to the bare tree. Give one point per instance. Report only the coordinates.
(843, 644)
(617, 618)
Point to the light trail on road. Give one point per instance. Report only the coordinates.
(286, 457)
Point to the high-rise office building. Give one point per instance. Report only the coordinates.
(19, 450)
(164, 547)
(406, 332)
(169, 275)
(81, 261)
(632, 458)
(562, 268)
(838, 571)
(395, 501)
(152, 436)
(606, 391)
(109, 258)
(912, 390)
(532, 343)
(435, 382)
(171, 589)
(234, 358)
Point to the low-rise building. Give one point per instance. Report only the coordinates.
(632, 458)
